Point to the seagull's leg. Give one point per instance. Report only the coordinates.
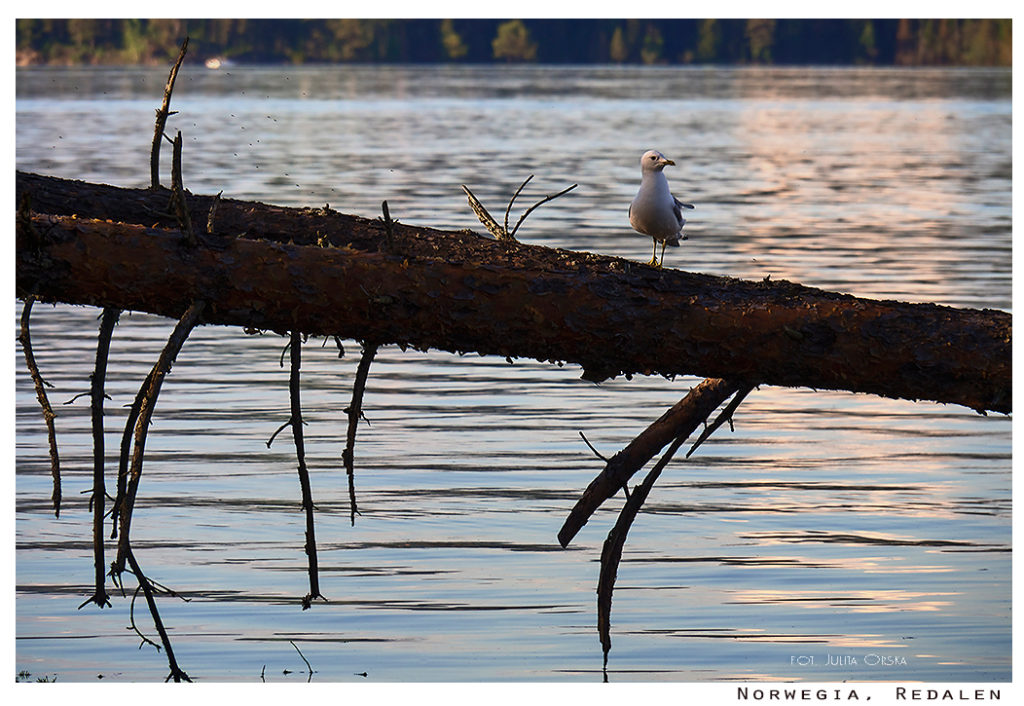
(654, 255)
(663, 252)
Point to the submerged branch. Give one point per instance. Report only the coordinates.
(25, 337)
(147, 403)
(308, 665)
(177, 674)
(611, 552)
(124, 459)
(295, 347)
(681, 420)
(355, 412)
(99, 491)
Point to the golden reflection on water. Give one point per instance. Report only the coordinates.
(882, 176)
(856, 601)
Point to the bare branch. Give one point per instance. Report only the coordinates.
(513, 199)
(539, 203)
(161, 119)
(278, 431)
(596, 452)
(502, 233)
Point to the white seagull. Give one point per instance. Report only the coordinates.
(655, 211)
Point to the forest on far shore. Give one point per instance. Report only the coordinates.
(881, 42)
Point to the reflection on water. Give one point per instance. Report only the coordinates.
(846, 522)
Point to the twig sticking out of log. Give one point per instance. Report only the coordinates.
(147, 402)
(178, 194)
(161, 119)
(99, 491)
(489, 223)
(502, 232)
(300, 453)
(513, 199)
(389, 231)
(531, 209)
(682, 419)
(212, 215)
(25, 337)
(355, 411)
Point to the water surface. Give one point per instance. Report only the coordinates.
(826, 524)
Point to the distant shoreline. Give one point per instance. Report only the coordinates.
(669, 42)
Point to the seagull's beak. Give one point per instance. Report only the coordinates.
(668, 162)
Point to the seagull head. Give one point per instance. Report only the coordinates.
(654, 161)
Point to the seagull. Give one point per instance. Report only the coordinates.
(655, 211)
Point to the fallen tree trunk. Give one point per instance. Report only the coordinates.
(323, 273)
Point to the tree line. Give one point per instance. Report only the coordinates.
(883, 42)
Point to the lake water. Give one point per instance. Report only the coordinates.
(827, 528)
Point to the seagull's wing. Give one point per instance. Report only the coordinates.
(680, 203)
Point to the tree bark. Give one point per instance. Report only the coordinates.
(324, 273)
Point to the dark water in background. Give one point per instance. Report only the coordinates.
(825, 524)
